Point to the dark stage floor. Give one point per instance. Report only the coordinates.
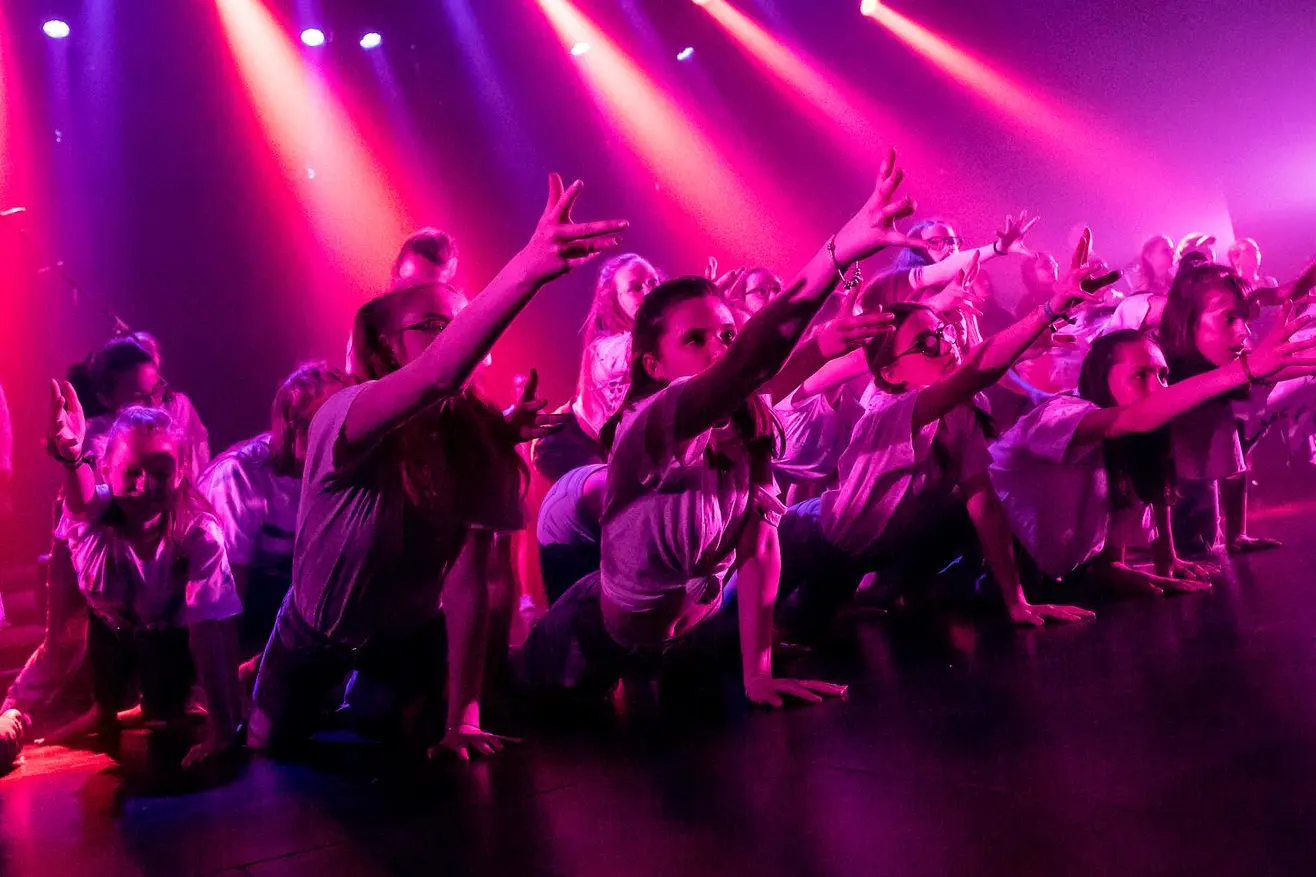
(1170, 737)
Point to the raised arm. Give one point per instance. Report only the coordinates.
(838, 339)
(989, 362)
(66, 437)
(1011, 240)
(557, 245)
(1273, 355)
(761, 348)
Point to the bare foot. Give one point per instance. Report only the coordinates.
(1251, 544)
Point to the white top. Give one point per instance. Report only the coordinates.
(1130, 313)
(672, 515)
(1206, 444)
(1055, 492)
(816, 433)
(605, 376)
(180, 585)
(256, 507)
(889, 475)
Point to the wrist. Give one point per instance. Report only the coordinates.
(1249, 374)
(997, 249)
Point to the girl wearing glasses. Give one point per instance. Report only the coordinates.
(407, 476)
(914, 493)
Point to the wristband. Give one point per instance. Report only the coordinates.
(996, 247)
(72, 464)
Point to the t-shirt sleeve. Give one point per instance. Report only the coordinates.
(228, 487)
(211, 594)
(968, 445)
(647, 445)
(327, 455)
(1048, 432)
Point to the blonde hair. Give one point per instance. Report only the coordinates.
(188, 503)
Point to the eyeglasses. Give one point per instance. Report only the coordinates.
(929, 342)
(938, 243)
(153, 397)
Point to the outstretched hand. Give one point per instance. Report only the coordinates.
(850, 330)
(468, 740)
(873, 228)
(959, 293)
(1083, 284)
(770, 691)
(67, 429)
(1011, 239)
(526, 419)
(559, 243)
(1278, 351)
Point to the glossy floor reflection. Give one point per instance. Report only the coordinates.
(1171, 737)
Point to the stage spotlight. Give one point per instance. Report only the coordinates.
(371, 40)
(579, 49)
(869, 7)
(686, 54)
(313, 37)
(56, 29)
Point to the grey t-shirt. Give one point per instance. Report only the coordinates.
(366, 563)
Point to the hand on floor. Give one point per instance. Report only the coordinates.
(208, 751)
(1250, 544)
(467, 740)
(769, 691)
(79, 729)
(1038, 615)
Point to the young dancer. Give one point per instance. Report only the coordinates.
(254, 488)
(623, 283)
(914, 493)
(689, 493)
(1077, 474)
(150, 563)
(406, 477)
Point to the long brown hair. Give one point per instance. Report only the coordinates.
(292, 410)
(606, 316)
(1193, 285)
(450, 452)
(753, 422)
(1139, 465)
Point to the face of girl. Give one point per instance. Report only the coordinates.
(761, 287)
(942, 241)
(1247, 262)
(1221, 330)
(1160, 257)
(1046, 271)
(696, 334)
(634, 282)
(1138, 371)
(421, 318)
(141, 386)
(143, 474)
(926, 351)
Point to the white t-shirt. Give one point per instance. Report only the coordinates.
(256, 507)
(816, 433)
(605, 376)
(671, 515)
(889, 475)
(180, 585)
(1055, 493)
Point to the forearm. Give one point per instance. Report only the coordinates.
(1158, 409)
(804, 362)
(214, 652)
(944, 271)
(447, 364)
(759, 352)
(466, 615)
(79, 487)
(997, 542)
(1163, 552)
(834, 374)
(756, 594)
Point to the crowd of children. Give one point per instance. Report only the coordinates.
(741, 457)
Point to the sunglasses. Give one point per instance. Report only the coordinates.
(938, 243)
(930, 342)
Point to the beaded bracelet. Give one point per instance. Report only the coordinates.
(846, 283)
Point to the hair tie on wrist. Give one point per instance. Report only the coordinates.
(996, 247)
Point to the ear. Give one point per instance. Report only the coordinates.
(888, 375)
(654, 367)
